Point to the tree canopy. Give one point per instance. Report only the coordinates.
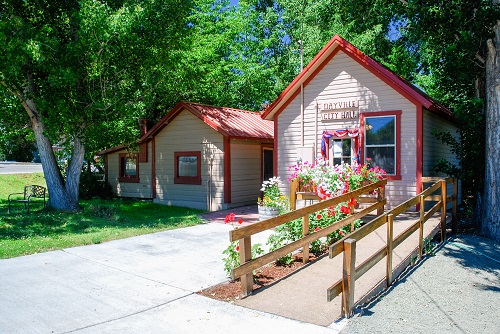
(82, 73)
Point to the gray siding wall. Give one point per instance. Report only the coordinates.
(186, 132)
(124, 189)
(246, 172)
(434, 149)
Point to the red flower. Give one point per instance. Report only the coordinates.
(240, 221)
(319, 216)
(226, 220)
(352, 202)
(342, 233)
(317, 229)
(345, 209)
(238, 248)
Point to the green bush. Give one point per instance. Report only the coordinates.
(92, 187)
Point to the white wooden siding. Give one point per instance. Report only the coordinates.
(125, 189)
(186, 132)
(246, 172)
(343, 79)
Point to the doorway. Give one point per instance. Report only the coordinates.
(267, 163)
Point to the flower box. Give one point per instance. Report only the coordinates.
(266, 212)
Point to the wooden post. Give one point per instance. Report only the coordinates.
(443, 209)
(390, 239)
(380, 198)
(454, 218)
(305, 231)
(351, 211)
(245, 256)
(421, 227)
(294, 186)
(349, 277)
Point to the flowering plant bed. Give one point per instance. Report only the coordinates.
(330, 181)
(264, 276)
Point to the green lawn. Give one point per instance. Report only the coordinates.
(97, 221)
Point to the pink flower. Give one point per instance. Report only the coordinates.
(238, 248)
(342, 233)
(317, 229)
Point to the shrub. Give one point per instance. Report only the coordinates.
(92, 187)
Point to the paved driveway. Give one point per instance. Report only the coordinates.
(19, 168)
(145, 284)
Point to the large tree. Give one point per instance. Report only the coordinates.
(82, 72)
(491, 198)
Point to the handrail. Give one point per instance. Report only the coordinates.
(243, 234)
(346, 285)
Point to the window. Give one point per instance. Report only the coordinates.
(342, 151)
(381, 139)
(187, 167)
(129, 168)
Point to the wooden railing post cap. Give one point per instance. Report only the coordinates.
(350, 241)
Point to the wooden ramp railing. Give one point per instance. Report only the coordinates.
(243, 234)
(347, 245)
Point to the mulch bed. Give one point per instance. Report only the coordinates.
(264, 276)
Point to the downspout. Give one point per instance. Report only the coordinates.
(302, 114)
(209, 183)
(316, 130)
(301, 95)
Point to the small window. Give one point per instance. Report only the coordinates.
(342, 151)
(129, 168)
(187, 167)
(380, 142)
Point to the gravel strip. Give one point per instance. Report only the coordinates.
(455, 291)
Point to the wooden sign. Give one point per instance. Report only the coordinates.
(339, 115)
(343, 110)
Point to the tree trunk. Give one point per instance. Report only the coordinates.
(75, 169)
(59, 197)
(491, 198)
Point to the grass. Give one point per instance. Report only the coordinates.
(97, 221)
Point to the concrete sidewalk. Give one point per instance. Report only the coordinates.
(145, 284)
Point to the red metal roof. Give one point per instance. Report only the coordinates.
(337, 43)
(230, 122)
(234, 123)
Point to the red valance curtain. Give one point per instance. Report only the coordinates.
(353, 133)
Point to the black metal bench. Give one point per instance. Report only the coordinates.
(30, 192)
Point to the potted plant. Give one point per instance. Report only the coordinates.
(272, 202)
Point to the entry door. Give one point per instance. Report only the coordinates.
(341, 151)
(267, 163)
